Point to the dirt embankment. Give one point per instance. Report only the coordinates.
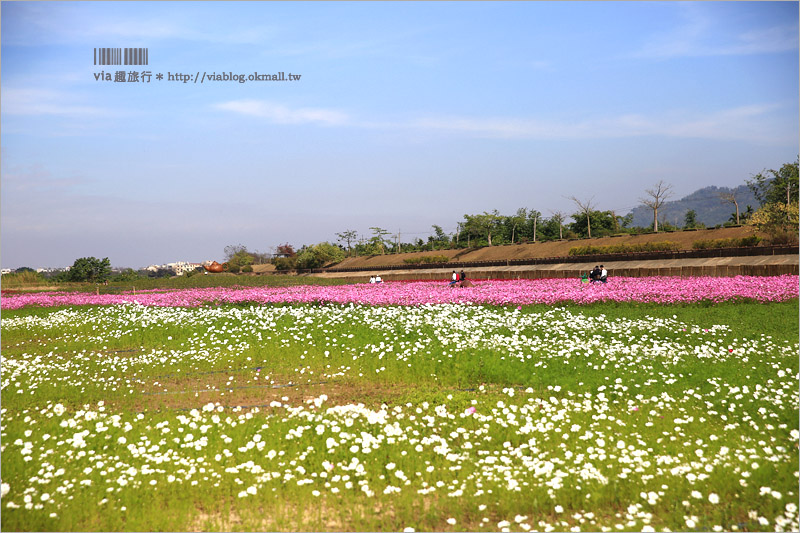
(548, 249)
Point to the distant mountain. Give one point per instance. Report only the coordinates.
(710, 208)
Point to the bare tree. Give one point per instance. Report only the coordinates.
(558, 216)
(731, 197)
(586, 207)
(658, 196)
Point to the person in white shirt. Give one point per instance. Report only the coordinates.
(372, 279)
(603, 274)
(378, 279)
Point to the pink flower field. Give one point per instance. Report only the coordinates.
(665, 290)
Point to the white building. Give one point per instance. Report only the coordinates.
(182, 267)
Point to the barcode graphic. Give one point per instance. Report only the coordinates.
(120, 56)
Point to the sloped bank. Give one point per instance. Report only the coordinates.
(756, 265)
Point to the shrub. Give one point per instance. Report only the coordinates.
(247, 268)
(663, 246)
(779, 221)
(284, 263)
(319, 255)
(233, 268)
(708, 244)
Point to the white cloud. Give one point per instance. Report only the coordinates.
(702, 35)
(746, 123)
(751, 123)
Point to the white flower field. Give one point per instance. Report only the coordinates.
(447, 417)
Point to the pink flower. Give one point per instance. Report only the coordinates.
(663, 290)
(470, 410)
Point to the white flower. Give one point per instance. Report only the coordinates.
(451, 521)
(408, 530)
(559, 509)
(4, 488)
(713, 498)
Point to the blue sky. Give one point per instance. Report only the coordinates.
(406, 114)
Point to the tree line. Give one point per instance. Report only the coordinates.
(776, 190)
(777, 216)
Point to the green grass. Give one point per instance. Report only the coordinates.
(652, 399)
(28, 283)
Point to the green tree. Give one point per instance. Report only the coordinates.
(603, 223)
(625, 221)
(485, 224)
(534, 218)
(776, 186)
(90, 269)
(128, 274)
(238, 255)
(319, 255)
(516, 221)
(378, 239)
(440, 239)
(20, 270)
(586, 207)
(349, 236)
(551, 229)
(690, 220)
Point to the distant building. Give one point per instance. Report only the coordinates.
(182, 267)
(178, 267)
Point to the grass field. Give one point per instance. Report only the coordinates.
(28, 282)
(610, 417)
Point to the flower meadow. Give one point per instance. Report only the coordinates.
(316, 414)
(665, 290)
